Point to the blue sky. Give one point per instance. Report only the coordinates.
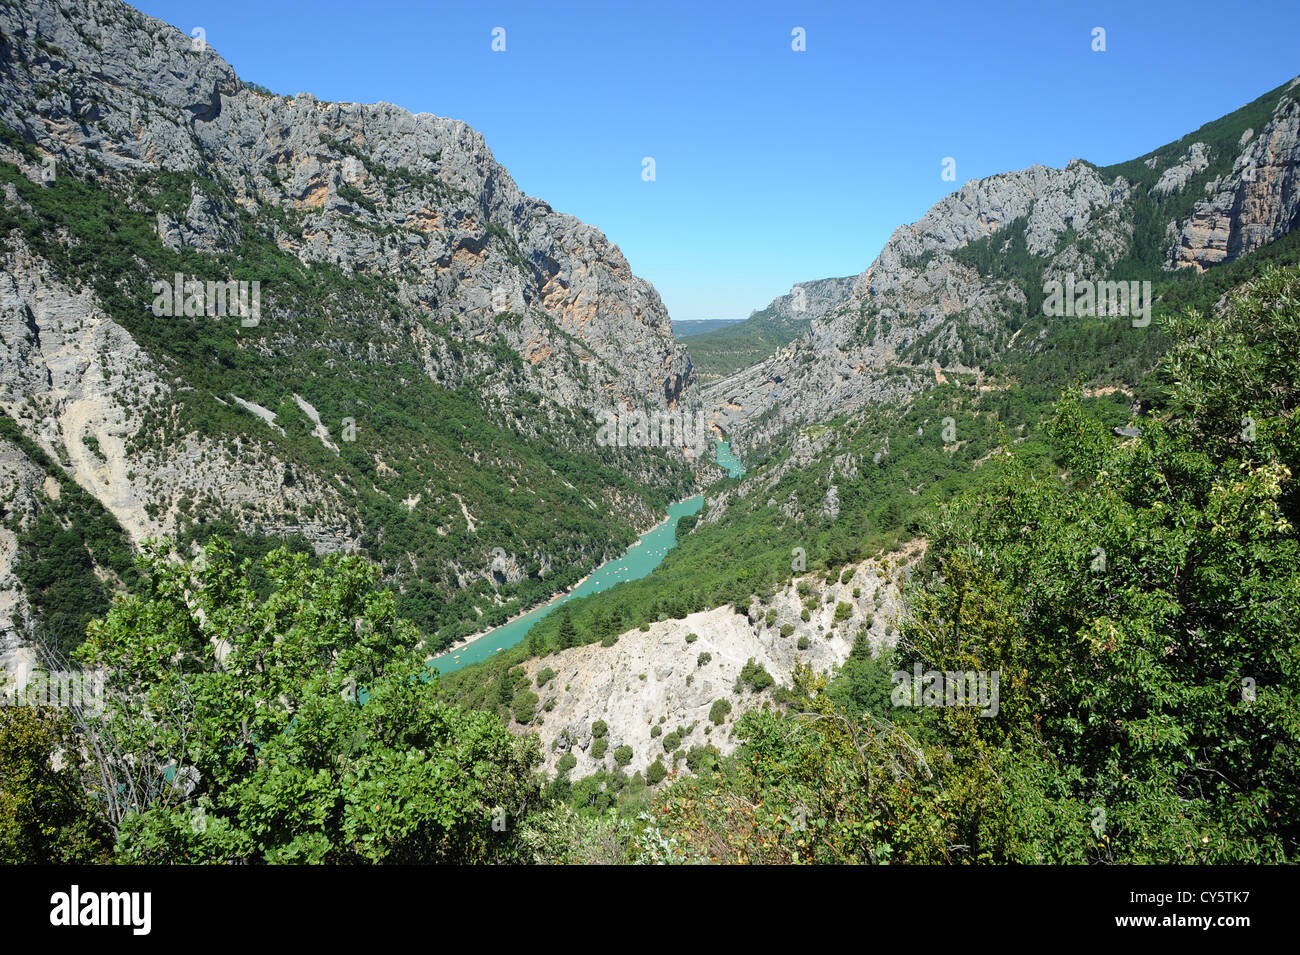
(772, 166)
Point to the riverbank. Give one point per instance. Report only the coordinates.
(639, 559)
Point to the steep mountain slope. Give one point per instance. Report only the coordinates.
(422, 374)
(720, 352)
(953, 289)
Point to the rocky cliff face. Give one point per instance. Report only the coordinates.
(1257, 202)
(409, 293)
(917, 306)
(662, 678)
(376, 190)
(806, 301)
(926, 303)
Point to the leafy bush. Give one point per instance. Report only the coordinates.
(525, 706)
(755, 677)
(718, 711)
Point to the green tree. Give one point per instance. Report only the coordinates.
(567, 636)
(299, 725)
(45, 814)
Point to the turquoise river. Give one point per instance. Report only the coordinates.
(639, 559)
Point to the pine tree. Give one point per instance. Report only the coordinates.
(568, 635)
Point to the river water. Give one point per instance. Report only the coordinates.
(637, 561)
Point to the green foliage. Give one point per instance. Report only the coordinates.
(46, 817)
(655, 773)
(313, 738)
(524, 705)
(863, 684)
(599, 729)
(701, 759)
(703, 659)
(63, 552)
(1138, 601)
(718, 711)
(598, 747)
(623, 755)
(755, 676)
(319, 324)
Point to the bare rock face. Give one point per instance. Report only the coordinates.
(920, 308)
(381, 190)
(1256, 203)
(659, 678)
(1174, 178)
(75, 382)
(917, 307)
(373, 189)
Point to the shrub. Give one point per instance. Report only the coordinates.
(599, 729)
(566, 763)
(755, 677)
(623, 755)
(692, 637)
(803, 643)
(787, 629)
(598, 747)
(655, 773)
(672, 741)
(656, 730)
(843, 610)
(703, 658)
(525, 706)
(700, 758)
(545, 676)
(718, 711)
